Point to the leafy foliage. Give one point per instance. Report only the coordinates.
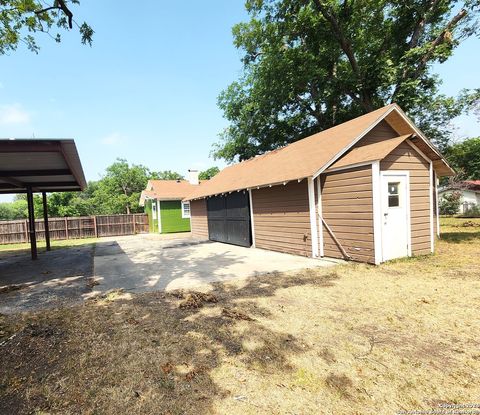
(20, 20)
(450, 203)
(465, 158)
(312, 64)
(118, 191)
(166, 175)
(209, 173)
(472, 211)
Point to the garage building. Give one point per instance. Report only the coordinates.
(365, 190)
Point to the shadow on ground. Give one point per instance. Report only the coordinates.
(146, 355)
(138, 265)
(56, 278)
(458, 237)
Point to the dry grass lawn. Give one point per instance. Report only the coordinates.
(355, 339)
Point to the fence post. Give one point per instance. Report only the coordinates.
(66, 227)
(95, 226)
(134, 218)
(25, 226)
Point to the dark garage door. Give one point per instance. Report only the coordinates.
(229, 219)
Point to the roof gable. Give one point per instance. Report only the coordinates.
(311, 156)
(168, 189)
(297, 160)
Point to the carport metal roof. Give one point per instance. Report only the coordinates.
(44, 165)
(39, 165)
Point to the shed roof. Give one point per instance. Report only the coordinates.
(369, 152)
(312, 155)
(45, 165)
(168, 189)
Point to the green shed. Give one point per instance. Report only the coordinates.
(166, 211)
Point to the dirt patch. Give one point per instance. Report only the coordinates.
(355, 340)
(236, 315)
(193, 299)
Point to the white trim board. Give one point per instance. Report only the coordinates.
(252, 224)
(377, 212)
(351, 166)
(159, 217)
(437, 204)
(320, 217)
(313, 218)
(430, 198)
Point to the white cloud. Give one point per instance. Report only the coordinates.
(112, 139)
(13, 114)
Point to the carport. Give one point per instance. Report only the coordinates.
(39, 166)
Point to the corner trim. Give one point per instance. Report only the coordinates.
(159, 217)
(437, 207)
(252, 224)
(430, 198)
(377, 212)
(313, 219)
(320, 217)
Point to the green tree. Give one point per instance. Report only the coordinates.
(209, 173)
(312, 64)
(465, 158)
(450, 203)
(20, 20)
(166, 175)
(119, 190)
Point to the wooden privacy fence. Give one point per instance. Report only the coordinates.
(16, 231)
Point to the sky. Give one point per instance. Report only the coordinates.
(147, 89)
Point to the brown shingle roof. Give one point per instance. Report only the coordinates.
(297, 160)
(369, 152)
(168, 189)
(307, 157)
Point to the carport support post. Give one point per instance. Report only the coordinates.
(31, 223)
(45, 220)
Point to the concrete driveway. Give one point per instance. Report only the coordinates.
(133, 263)
(153, 262)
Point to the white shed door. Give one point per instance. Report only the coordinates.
(395, 214)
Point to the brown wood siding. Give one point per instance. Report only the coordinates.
(281, 218)
(379, 133)
(404, 157)
(347, 209)
(198, 218)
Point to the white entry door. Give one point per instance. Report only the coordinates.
(395, 193)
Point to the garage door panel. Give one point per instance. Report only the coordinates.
(238, 232)
(229, 219)
(216, 229)
(216, 207)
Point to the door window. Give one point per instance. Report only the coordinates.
(393, 194)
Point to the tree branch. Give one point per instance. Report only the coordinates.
(346, 46)
(428, 55)
(439, 40)
(420, 26)
(59, 5)
(338, 32)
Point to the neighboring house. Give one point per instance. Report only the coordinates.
(162, 199)
(364, 190)
(470, 191)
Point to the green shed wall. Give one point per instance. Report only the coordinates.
(171, 214)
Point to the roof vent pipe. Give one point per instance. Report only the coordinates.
(193, 176)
